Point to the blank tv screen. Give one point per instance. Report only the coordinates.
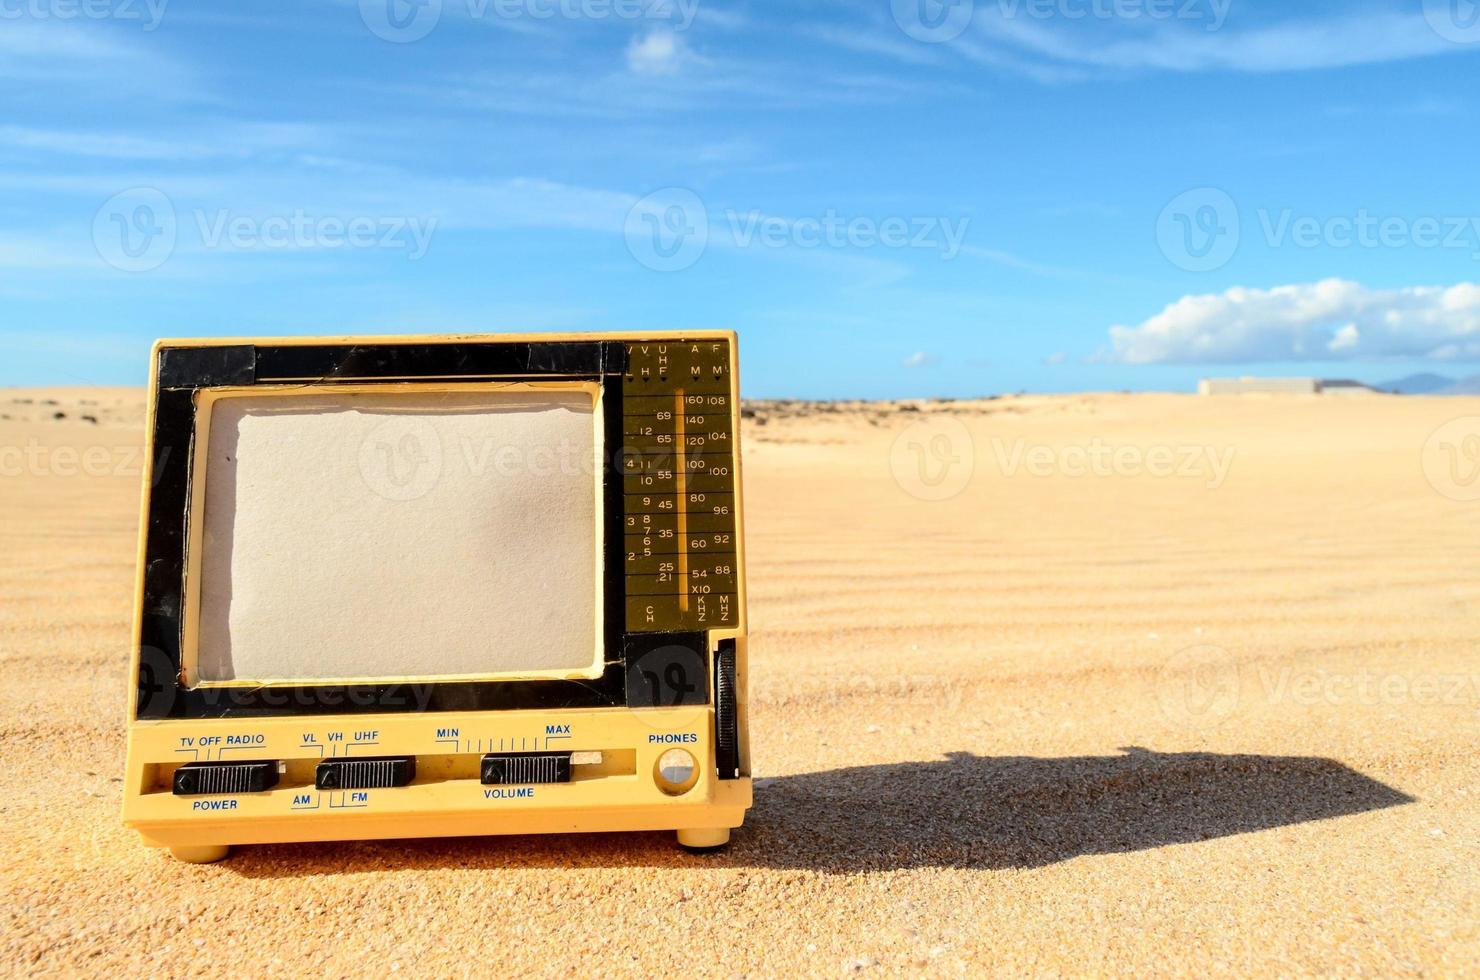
(360, 536)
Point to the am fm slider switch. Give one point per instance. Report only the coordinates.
(379, 772)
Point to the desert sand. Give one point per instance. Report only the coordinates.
(1150, 684)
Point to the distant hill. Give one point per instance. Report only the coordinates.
(1418, 384)
(1465, 386)
(1432, 384)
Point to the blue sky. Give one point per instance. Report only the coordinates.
(886, 198)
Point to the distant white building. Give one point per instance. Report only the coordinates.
(1341, 386)
(1249, 385)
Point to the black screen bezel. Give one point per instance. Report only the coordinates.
(184, 371)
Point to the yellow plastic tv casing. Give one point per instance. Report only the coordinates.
(621, 792)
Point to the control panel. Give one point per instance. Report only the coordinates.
(274, 768)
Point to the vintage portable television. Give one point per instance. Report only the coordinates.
(418, 586)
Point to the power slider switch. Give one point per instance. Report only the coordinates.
(217, 778)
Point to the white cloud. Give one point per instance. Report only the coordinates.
(1347, 338)
(1345, 39)
(919, 359)
(1324, 321)
(116, 146)
(516, 202)
(1008, 36)
(36, 252)
(65, 56)
(1056, 358)
(641, 90)
(1010, 261)
(1017, 263)
(659, 53)
(890, 44)
(202, 201)
(34, 47)
(709, 15)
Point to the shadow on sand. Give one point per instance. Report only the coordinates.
(964, 811)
